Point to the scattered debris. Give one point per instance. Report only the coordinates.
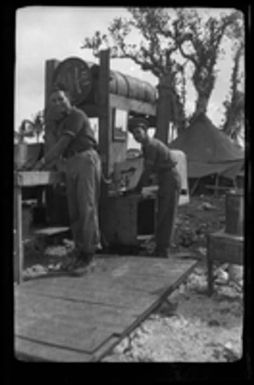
(207, 206)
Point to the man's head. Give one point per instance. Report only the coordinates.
(138, 127)
(59, 101)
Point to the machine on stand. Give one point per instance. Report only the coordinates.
(109, 98)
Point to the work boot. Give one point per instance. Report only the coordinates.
(70, 261)
(81, 265)
(163, 253)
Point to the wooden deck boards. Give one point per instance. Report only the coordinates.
(71, 318)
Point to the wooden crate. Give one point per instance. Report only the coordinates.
(224, 248)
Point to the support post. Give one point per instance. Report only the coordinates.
(105, 129)
(209, 267)
(50, 67)
(105, 136)
(18, 243)
(56, 203)
(164, 109)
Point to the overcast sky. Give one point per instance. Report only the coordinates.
(44, 33)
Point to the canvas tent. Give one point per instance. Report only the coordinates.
(208, 150)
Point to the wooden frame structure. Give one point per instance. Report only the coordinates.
(104, 104)
(26, 179)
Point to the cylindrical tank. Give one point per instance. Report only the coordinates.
(76, 76)
(234, 212)
(81, 79)
(131, 87)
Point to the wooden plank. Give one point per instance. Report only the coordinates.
(37, 306)
(51, 230)
(63, 335)
(127, 289)
(107, 270)
(36, 178)
(105, 348)
(134, 274)
(69, 326)
(110, 296)
(115, 302)
(18, 230)
(76, 331)
(32, 350)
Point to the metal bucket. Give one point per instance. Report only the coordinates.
(234, 213)
(26, 155)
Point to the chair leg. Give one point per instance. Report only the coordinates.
(209, 268)
(210, 276)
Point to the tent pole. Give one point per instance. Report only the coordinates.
(194, 187)
(216, 185)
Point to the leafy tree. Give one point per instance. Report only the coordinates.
(200, 42)
(30, 128)
(172, 39)
(234, 105)
(154, 52)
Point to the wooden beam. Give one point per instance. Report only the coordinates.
(91, 110)
(105, 129)
(36, 178)
(18, 244)
(50, 67)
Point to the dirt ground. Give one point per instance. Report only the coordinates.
(190, 326)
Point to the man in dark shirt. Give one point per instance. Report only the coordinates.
(76, 143)
(158, 160)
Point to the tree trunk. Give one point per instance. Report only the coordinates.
(201, 105)
(178, 113)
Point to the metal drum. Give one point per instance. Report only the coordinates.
(81, 79)
(234, 212)
(118, 84)
(131, 87)
(75, 75)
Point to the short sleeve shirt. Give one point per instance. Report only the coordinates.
(76, 125)
(157, 156)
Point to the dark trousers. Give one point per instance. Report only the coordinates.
(168, 197)
(83, 175)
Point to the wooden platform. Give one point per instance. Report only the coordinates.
(69, 319)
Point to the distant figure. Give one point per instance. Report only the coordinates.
(158, 160)
(76, 143)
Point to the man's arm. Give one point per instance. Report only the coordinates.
(73, 125)
(148, 165)
(58, 148)
(149, 153)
